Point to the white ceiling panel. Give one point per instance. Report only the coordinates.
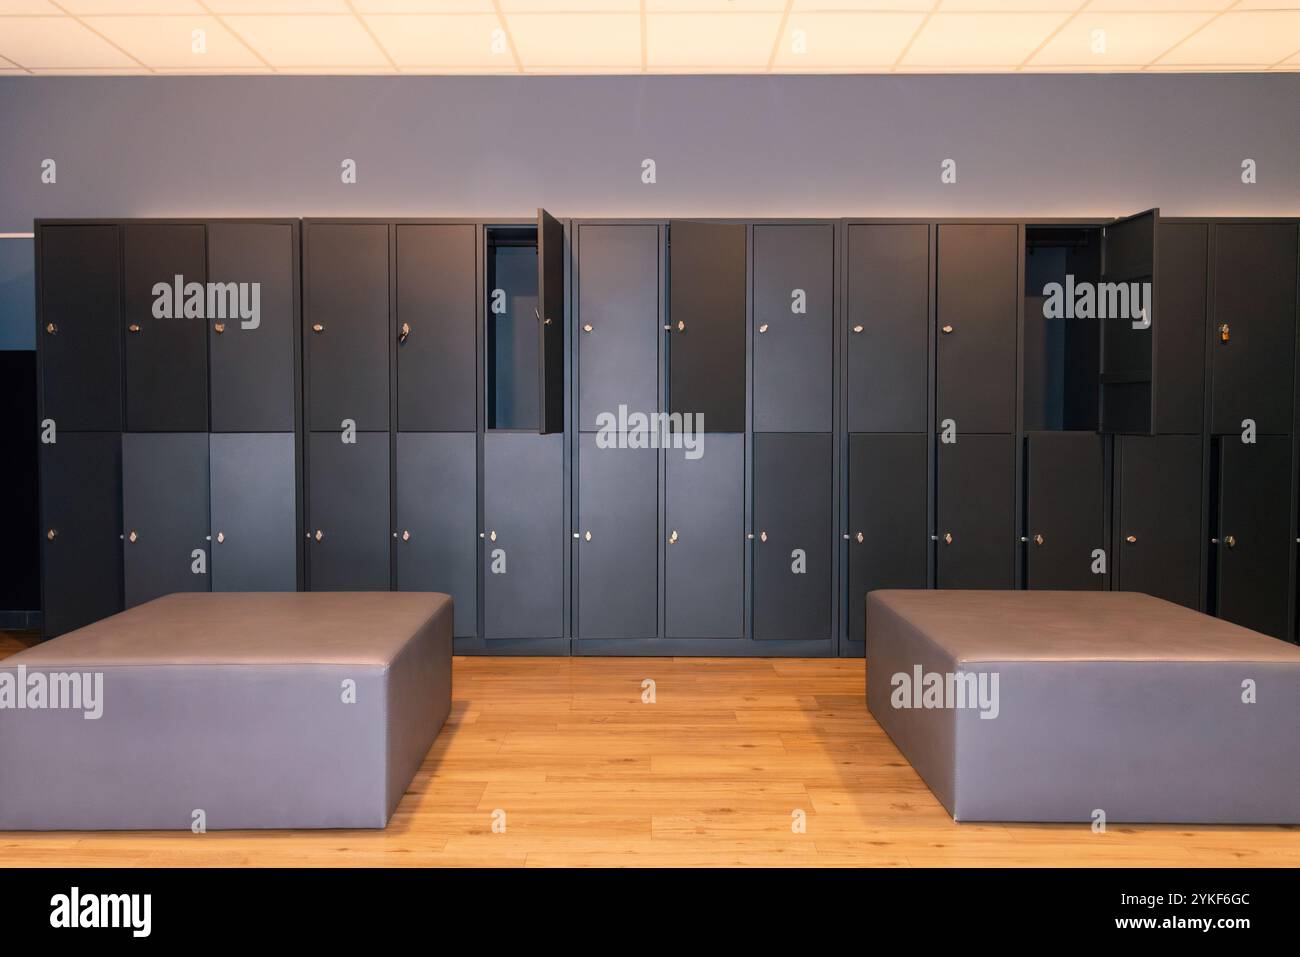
(200, 43)
(58, 43)
(837, 40)
(656, 36)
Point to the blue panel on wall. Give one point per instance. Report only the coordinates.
(17, 294)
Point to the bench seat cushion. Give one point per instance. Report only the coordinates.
(1106, 701)
(259, 710)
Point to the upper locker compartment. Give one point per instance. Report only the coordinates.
(794, 279)
(707, 306)
(252, 335)
(525, 326)
(436, 331)
(1061, 342)
(80, 335)
(164, 268)
(1151, 308)
(1254, 327)
(346, 313)
(1127, 341)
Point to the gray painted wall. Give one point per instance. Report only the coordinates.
(1051, 145)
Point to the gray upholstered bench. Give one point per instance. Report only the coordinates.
(1110, 701)
(243, 710)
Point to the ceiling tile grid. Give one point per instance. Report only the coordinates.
(239, 37)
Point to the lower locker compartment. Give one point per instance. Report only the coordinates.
(81, 529)
(975, 510)
(349, 542)
(524, 539)
(793, 545)
(166, 545)
(704, 522)
(437, 519)
(616, 552)
(254, 511)
(889, 540)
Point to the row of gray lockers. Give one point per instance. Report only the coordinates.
(885, 404)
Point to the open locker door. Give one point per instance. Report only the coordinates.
(550, 315)
(1125, 307)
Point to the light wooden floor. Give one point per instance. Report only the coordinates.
(710, 774)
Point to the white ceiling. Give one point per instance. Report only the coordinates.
(39, 37)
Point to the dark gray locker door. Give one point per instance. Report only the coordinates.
(1255, 299)
(253, 360)
(437, 519)
(348, 535)
(437, 323)
(550, 308)
(254, 512)
(1127, 354)
(166, 358)
(977, 327)
(1158, 541)
(618, 545)
(346, 325)
(618, 316)
(794, 268)
(523, 552)
(1254, 543)
(707, 302)
(81, 528)
(888, 537)
(165, 514)
(888, 317)
(81, 328)
(1065, 496)
(1183, 258)
(704, 567)
(976, 504)
(793, 535)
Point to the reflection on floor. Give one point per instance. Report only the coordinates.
(576, 763)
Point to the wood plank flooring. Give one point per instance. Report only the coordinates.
(714, 772)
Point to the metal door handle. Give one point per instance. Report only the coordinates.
(404, 332)
(586, 327)
(1230, 541)
(857, 328)
(587, 536)
(219, 327)
(132, 537)
(406, 535)
(221, 537)
(947, 330)
(1131, 539)
(681, 325)
(861, 538)
(51, 534)
(317, 328)
(133, 327)
(51, 328)
(492, 535)
(672, 539)
(947, 538)
(319, 534)
(762, 536)
(1224, 333)
(763, 327)
(1038, 539)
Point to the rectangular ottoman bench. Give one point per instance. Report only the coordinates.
(268, 710)
(1054, 706)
